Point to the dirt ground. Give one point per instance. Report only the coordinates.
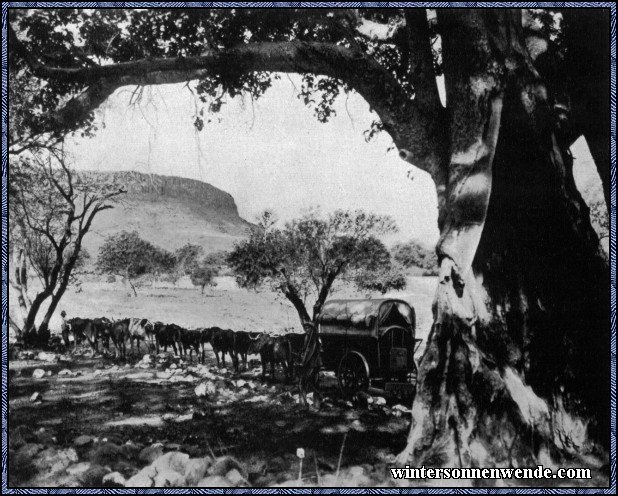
(88, 417)
(99, 416)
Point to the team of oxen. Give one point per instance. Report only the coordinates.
(274, 350)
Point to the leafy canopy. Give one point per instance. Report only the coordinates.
(127, 254)
(78, 38)
(308, 254)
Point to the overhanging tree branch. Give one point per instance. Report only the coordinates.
(403, 118)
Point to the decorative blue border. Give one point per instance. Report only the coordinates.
(6, 490)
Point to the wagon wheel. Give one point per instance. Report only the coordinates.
(353, 373)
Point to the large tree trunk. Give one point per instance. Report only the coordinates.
(31, 336)
(517, 361)
(56, 297)
(19, 283)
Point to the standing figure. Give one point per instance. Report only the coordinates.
(65, 329)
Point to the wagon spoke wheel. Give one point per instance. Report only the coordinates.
(353, 374)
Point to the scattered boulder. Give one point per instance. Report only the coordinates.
(78, 468)
(169, 478)
(205, 388)
(195, 470)
(45, 356)
(35, 397)
(151, 453)
(114, 479)
(173, 461)
(236, 478)
(53, 461)
(224, 464)
(38, 374)
(214, 481)
(82, 440)
(144, 478)
(107, 453)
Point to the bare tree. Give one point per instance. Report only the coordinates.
(51, 210)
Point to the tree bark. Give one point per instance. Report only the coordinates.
(517, 360)
(30, 331)
(19, 282)
(292, 295)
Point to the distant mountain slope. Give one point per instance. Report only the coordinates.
(169, 211)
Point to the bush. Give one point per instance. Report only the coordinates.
(414, 254)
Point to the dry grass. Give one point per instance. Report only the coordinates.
(225, 305)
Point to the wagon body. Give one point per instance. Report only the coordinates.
(376, 337)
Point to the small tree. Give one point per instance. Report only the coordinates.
(204, 270)
(309, 254)
(414, 254)
(129, 255)
(203, 275)
(188, 257)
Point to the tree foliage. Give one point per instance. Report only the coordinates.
(307, 256)
(128, 255)
(203, 273)
(415, 254)
(187, 257)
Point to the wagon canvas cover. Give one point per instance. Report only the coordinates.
(362, 315)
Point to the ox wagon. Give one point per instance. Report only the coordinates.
(370, 343)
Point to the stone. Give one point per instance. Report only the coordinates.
(144, 478)
(174, 461)
(150, 453)
(214, 481)
(196, 469)
(45, 356)
(93, 477)
(236, 478)
(169, 478)
(114, 479)
(82, 440)
(38, 374)
(106, 453)
(53, 461)
(35, 396)
(78, 468)
(224, 464)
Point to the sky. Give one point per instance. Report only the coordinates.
(271, 153)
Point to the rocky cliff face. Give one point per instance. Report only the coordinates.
(169, 211)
